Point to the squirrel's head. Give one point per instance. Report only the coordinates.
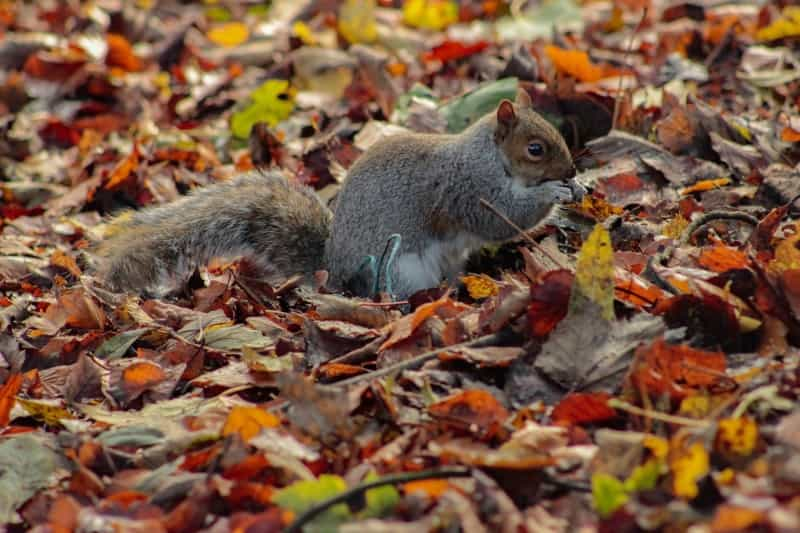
(534, 150)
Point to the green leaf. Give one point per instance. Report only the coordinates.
(27, 464)
(380, 500)
(539, 20)
(272, 103)
(644, 477)
(117, 346)
(234, 337)
(608, 494)
(467, 108)
(301, 495)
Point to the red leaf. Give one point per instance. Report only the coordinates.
(582, 408)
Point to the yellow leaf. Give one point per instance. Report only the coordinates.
(675, 227)
(697, 406)
(248, 422)
(430, 14)
(480, 286)
(658, 447)
(737, 436)
(594, 271)
(357, 21)
(229, 35)
(788, 25)
(787, 255)
(688, 465)
(597, 208)
(301, 30)
(50, 413)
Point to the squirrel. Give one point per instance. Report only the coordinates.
(417, 196)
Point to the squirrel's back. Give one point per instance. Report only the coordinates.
(280, 225)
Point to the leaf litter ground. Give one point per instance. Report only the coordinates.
(631, 364)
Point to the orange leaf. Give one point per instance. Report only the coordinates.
(81, 310)
(120, 54)
(676, 369)
(474, 410)
(123, 169)
(732, 519)
(142, 375)
(705, 185)
(576, 63)
(7, 397)
(67, 262)
(248, 421)
(583, 407)
(340, 370)
(721, 258)
(433, 488)
(790, 135)
(406, 326)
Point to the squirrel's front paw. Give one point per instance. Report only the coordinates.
(578, 190)
(557, 192)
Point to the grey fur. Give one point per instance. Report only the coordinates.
(427, 188)
(280, 225)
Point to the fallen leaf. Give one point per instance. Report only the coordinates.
(8, 396)
(582, 408)
(229, 35)
(481, 286)
(272, 102)
(475, 411)
(688, 463)
(430, 14)
(594, 271)
(120, 53)
(248, 422)
(357, 21)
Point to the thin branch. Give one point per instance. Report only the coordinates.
(414, 361)
(628, 50)
(656, 415)
(712, 216)
(488, 205)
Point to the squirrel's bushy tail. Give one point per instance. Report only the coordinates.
(281, 226)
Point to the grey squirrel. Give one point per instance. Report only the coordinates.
(415, 195)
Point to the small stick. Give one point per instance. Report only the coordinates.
(711, 216)
(655, 415)
(628, 51)
(488, 205)
(414, 361)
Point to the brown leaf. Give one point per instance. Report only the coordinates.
(476, 411)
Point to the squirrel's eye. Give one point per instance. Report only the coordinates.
(536, 149)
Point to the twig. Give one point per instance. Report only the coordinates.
(628, 51)
(488, 205)
(712, 216)
(655, 415)
(312, 512)
(651, 274)
(359, 354)
(414, 361)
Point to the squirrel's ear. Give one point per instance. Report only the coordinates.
(506, 116)
(523, 98)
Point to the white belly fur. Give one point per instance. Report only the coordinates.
(443, 259)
